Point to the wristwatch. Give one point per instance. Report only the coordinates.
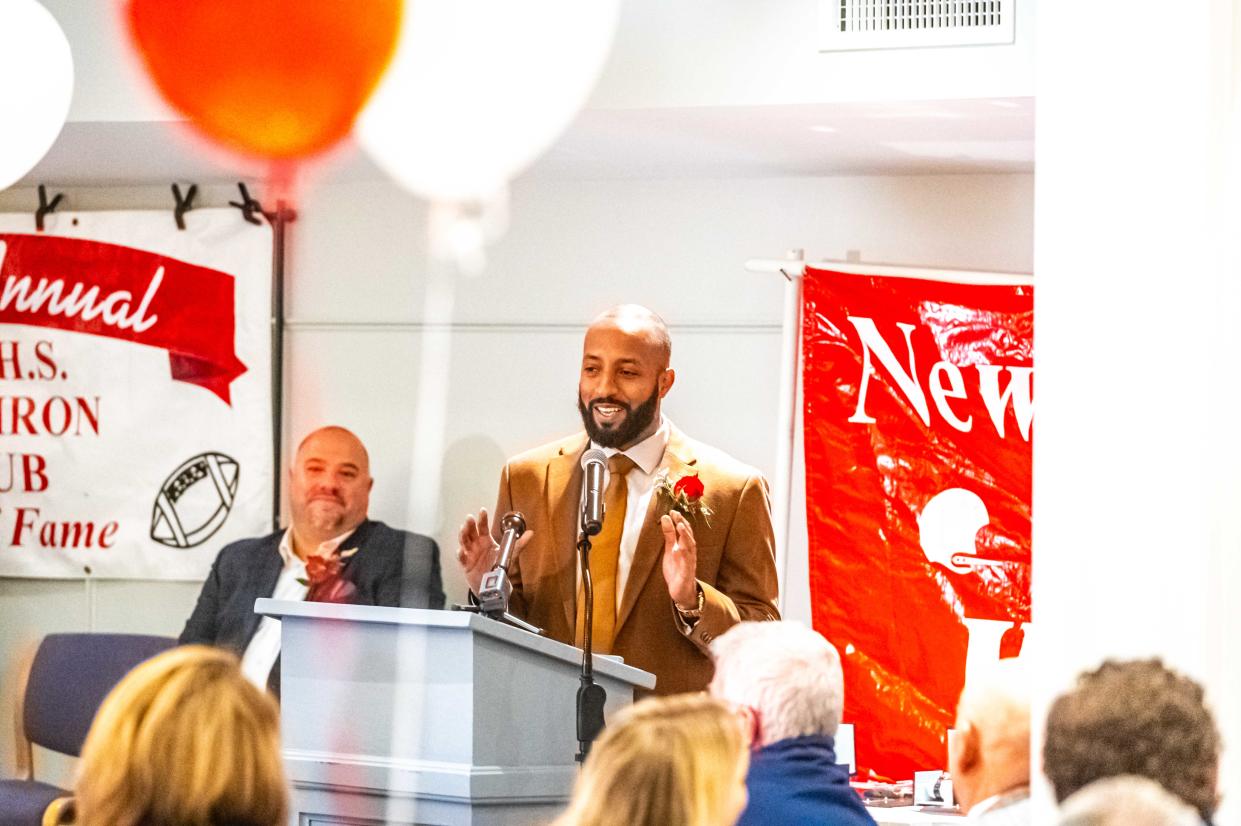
(692, 613)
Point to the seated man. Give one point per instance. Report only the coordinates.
(1134, 717)
(330, 553)
(787, 684)
(989, 752)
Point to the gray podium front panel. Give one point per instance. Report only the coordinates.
(404, 716)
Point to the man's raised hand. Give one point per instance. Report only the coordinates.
(476, 550)
(680, 559)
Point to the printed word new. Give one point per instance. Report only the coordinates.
(946, 381)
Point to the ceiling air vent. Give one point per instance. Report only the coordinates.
(846, 25)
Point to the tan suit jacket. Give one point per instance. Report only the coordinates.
(736, 556)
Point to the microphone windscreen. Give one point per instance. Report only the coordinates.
(594, 455)
(513, 521)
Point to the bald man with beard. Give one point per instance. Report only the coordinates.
(329, 494)
(665, 583)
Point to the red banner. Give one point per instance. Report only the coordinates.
(123, 293)
(918, 412)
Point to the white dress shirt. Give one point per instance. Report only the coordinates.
(647, 456)
(264, 647)
(1011, 808)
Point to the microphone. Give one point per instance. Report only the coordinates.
(496, 588)
(514, 525)
(594, 464)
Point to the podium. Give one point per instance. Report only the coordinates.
(428, 718)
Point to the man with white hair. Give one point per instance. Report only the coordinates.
(989, 752)
(785, 681)
(1126, 800)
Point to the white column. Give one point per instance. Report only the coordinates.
(1137, 458)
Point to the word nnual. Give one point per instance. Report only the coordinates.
(55, 297)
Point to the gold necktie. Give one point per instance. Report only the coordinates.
(604, 559)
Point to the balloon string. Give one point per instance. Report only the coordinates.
(282, 181)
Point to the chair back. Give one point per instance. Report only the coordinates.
(69, 679)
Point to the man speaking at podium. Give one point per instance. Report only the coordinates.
(686, 548)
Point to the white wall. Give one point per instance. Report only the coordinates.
(108, 82)
(574, 247)
(1136, 482)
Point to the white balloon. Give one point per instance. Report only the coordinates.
(480, 88)
(36, 85)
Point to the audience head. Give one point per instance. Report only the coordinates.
(672, 761)
(329, 484)
(1134, 717)
(183, 740)
(785, 679)
(624, 376)
(1126, 800)
(989, 752)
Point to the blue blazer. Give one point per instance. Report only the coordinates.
(796, 781)
(391, 567)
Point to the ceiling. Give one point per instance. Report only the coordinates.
(925, 137)
(941, 137)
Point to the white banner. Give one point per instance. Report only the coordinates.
(135, 392)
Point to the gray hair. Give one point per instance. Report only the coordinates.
(997, 703)
(1126, 800)
(788, 673)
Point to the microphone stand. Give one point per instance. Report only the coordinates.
(591, 697)
(496, 590)
(501, 616)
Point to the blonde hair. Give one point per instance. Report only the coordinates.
(183, 740)
(663, 762)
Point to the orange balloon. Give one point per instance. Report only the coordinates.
(279, 79)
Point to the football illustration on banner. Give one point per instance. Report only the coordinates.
(194, 500)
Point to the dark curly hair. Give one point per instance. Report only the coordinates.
(1134, 717)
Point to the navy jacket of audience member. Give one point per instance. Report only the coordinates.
(797, 781)
(391, 567)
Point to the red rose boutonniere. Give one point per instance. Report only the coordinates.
(323, 580)
(684, 495)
